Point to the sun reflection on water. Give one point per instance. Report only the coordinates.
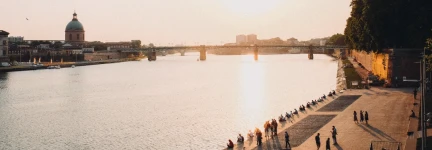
(252, 89)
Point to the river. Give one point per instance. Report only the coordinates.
(175, 102)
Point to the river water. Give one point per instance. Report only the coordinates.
(173, 103)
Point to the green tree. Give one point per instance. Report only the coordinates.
(151, 45)
(337, 39)
(58, 45)
(375, 25)
(429, 57)
(136, 43)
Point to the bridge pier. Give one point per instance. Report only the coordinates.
(203, 53)
(310, 55)
(255, 52)
(151, 56)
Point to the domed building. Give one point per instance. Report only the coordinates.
(74, 31)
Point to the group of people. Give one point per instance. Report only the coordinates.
(318, 139)
(327, 146)
(315, 102)
(270, 128)
(240, 139)
(363, 117)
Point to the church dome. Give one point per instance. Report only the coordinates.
(74, 25)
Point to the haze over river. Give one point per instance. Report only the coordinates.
(175, 102)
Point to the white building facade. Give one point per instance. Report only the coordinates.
(241, 39)
(252, 39)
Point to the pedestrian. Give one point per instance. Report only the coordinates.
(328, 144)
(267, 129)
(287, 140)
(334, 133)
(361, 116)
(415, 93)
(318, 141)
(366, 117)
(355, 117)
(413, 114)
(259, 140)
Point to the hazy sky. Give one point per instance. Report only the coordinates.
(175, 21)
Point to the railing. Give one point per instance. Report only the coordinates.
(239, 46)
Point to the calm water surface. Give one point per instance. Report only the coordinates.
(173, 103)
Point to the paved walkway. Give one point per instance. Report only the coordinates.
(388, 109)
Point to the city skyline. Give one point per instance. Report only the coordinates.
(185, 22)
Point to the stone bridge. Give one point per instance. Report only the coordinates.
(215, 49)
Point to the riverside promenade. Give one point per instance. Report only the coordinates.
(63, 65)
(388, 109)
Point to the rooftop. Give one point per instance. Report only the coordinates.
(2, 32)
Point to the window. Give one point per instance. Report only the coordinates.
(70, 36)
(78, 37)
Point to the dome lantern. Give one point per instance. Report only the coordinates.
(74, 25)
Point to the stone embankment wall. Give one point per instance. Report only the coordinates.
(101, 56)
(376, 63)
(340, 77)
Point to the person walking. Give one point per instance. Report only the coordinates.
(361, 116)
(366, 117)
(415, 93)
(334, 133)
(328, 144)
(318, 141)
(287, 140)
(355, 117)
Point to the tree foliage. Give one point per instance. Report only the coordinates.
(136, 43)
(34, 44)
(337, 39)
(57, 45)
(429, 57)
(375, 25)
(97, 45)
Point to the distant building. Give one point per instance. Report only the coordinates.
(251, 39)
(88, 50)
(292, 41)
(3, 44)
(43, 46)
(118, 45)
(323, 42)
(241, 39)
(51, 41)
(74, 32)
(16, 39)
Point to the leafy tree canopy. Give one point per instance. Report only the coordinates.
(375, 25)
(337, 39)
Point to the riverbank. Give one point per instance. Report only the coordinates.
(341, 83)
(388, 109)
(63, 65)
